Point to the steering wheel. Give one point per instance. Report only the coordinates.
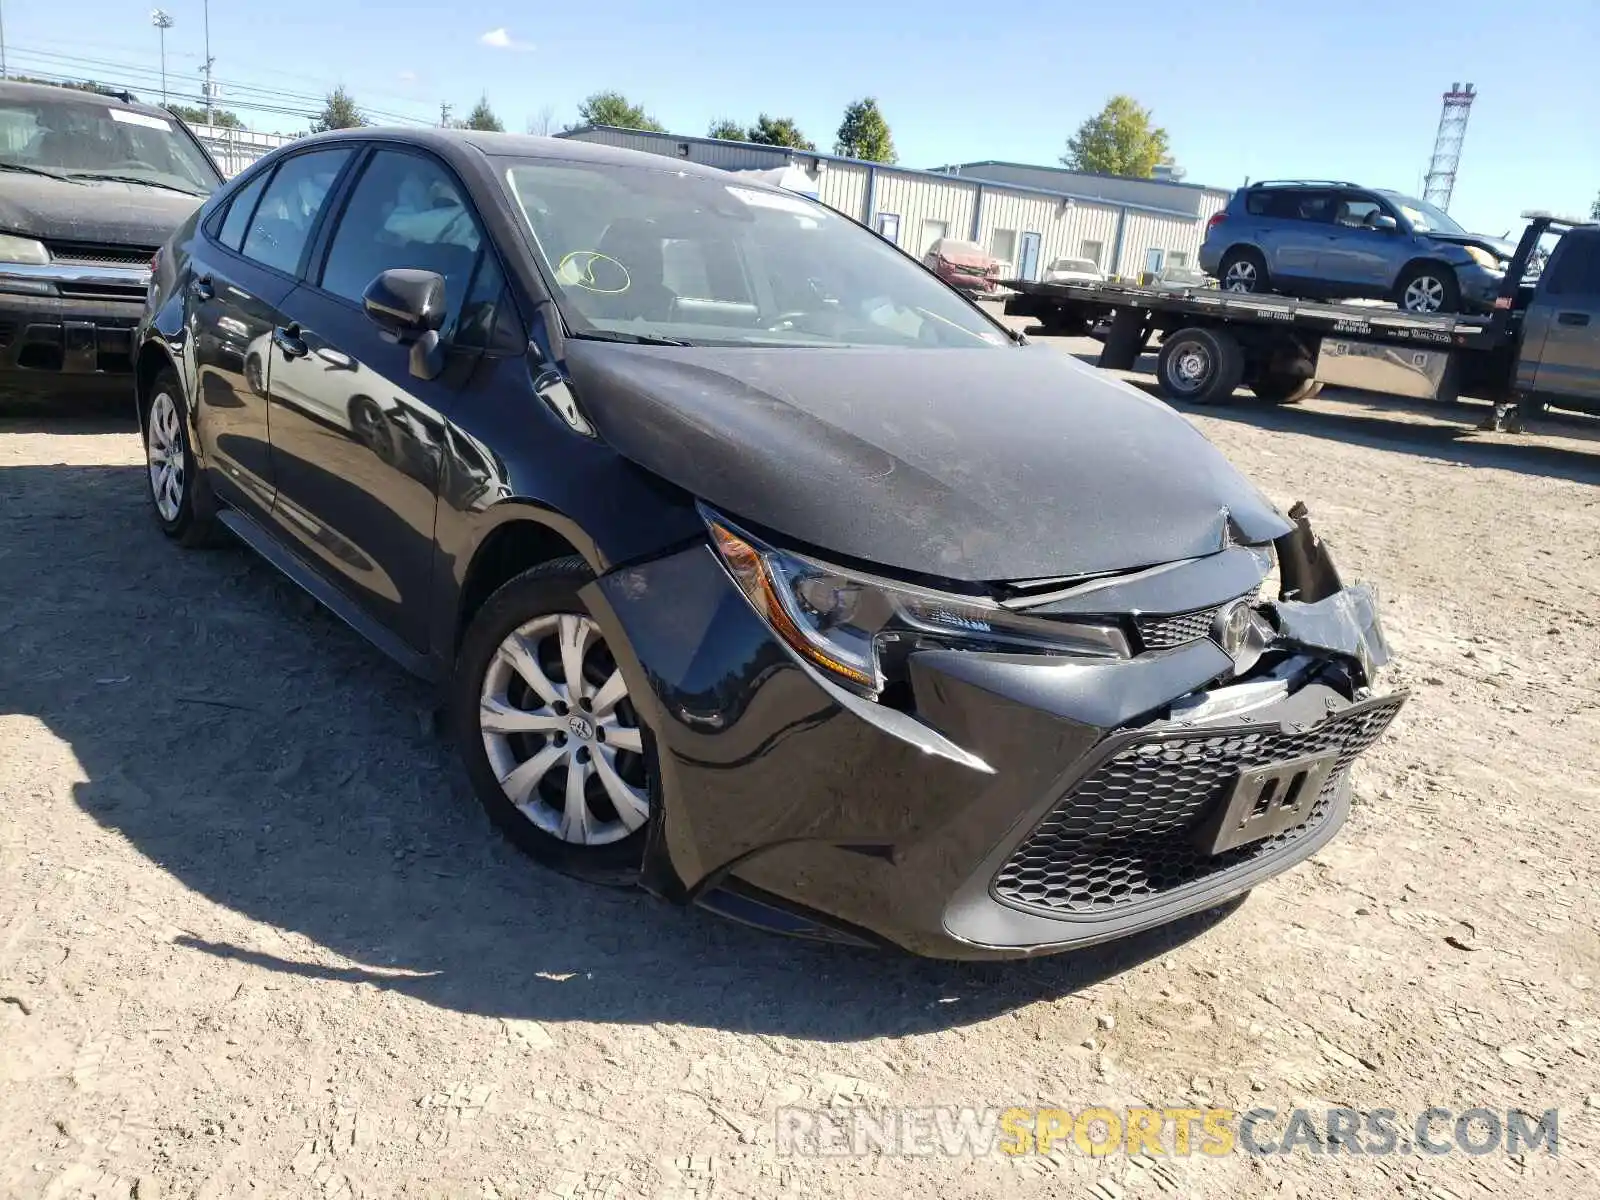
(785, 320)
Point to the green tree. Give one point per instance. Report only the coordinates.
(727, 131)
(77, 85)
(1118, 140)
(191, 115)
(613, 109)
(779, 131)
(865, 134)
(1594, 210)
(340, 112)
(482, 117)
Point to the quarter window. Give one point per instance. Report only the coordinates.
(405, 212)
(283, 221)
(239, 210)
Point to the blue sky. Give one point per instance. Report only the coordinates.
(1244, 88)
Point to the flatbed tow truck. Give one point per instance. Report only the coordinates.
(1540, 345)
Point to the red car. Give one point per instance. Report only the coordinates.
(966, 266)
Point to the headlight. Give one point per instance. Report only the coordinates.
(1485, 259)
(14, 249)
(859, 628)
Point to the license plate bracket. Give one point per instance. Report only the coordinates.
(1266, 800)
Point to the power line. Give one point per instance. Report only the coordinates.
(251, 96)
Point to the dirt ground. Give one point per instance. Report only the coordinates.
(256, 938)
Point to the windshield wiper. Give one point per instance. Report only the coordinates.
(632, 339)
(113, 177)
(16, 166)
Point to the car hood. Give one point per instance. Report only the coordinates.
(1494, 245)
(119, 213)
(978, 465)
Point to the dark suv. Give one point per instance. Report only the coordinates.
(1327, 240)
(90, 185)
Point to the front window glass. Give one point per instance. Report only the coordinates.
(91, 140)
(641, 253)
(1425, 217)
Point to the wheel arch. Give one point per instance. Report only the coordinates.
(153, 358)
(1421, 260)
(522, 535)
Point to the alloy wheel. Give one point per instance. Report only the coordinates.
(166, 456)
(1241, 277)
(1424, 294)
(561, 734)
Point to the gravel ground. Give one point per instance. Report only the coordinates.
(257, 940)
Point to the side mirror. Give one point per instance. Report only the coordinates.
(408, 306)
(1384, 223)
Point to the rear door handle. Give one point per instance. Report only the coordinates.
(288, 340)
(1572, 318)
(200, 285)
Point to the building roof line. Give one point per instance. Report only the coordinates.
(789, 152)
(952, 168)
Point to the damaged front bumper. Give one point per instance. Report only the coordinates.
(1018, 803)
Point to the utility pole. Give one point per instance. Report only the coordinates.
(162, 20)
(444, 115)
(2, 42)
(209, 60)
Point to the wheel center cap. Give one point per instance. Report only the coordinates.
(582, 728)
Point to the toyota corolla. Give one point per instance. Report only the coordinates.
(757, 564)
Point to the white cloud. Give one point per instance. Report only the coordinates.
(502, 40)
(407, 77)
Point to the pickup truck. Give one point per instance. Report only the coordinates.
(1539, 346)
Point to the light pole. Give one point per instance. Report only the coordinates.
(207, 67)
(162, 20)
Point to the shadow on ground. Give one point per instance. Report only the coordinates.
(271, 761)
(1448, 432)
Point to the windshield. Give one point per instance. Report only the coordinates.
(79, 139)
(1424, 217)
(1081, 266)
(666, 255)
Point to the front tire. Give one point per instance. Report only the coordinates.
(179, 493)
(552, 742)
(1428, 288)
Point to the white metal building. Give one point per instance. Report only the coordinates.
(1028, 216)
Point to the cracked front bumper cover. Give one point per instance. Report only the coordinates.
(893, 825)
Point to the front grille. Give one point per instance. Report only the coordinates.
(101, 291)
(1163, 633)
(100, 252)
(1123, 834)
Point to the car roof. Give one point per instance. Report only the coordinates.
(46, 92)
(526, 145)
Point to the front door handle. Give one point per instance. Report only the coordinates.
(200, 285)
(1572, 318)
(288, 340)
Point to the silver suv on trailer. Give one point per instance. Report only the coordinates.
(1327, 240)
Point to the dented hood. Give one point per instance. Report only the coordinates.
(985, 464)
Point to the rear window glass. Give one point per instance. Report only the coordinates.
(1576, 271)
(1290, 204)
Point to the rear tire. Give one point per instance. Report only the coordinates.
(1277, 387)
(179, 493)
(1428, 288)
(525, 728)
(1242, 269)
(1200, 366)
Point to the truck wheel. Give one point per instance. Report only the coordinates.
(1200, 366)
(1429, 288)
(1243, 270)
(1284, 387)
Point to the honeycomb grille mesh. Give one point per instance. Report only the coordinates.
(1122, 835)
(1163, 633)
